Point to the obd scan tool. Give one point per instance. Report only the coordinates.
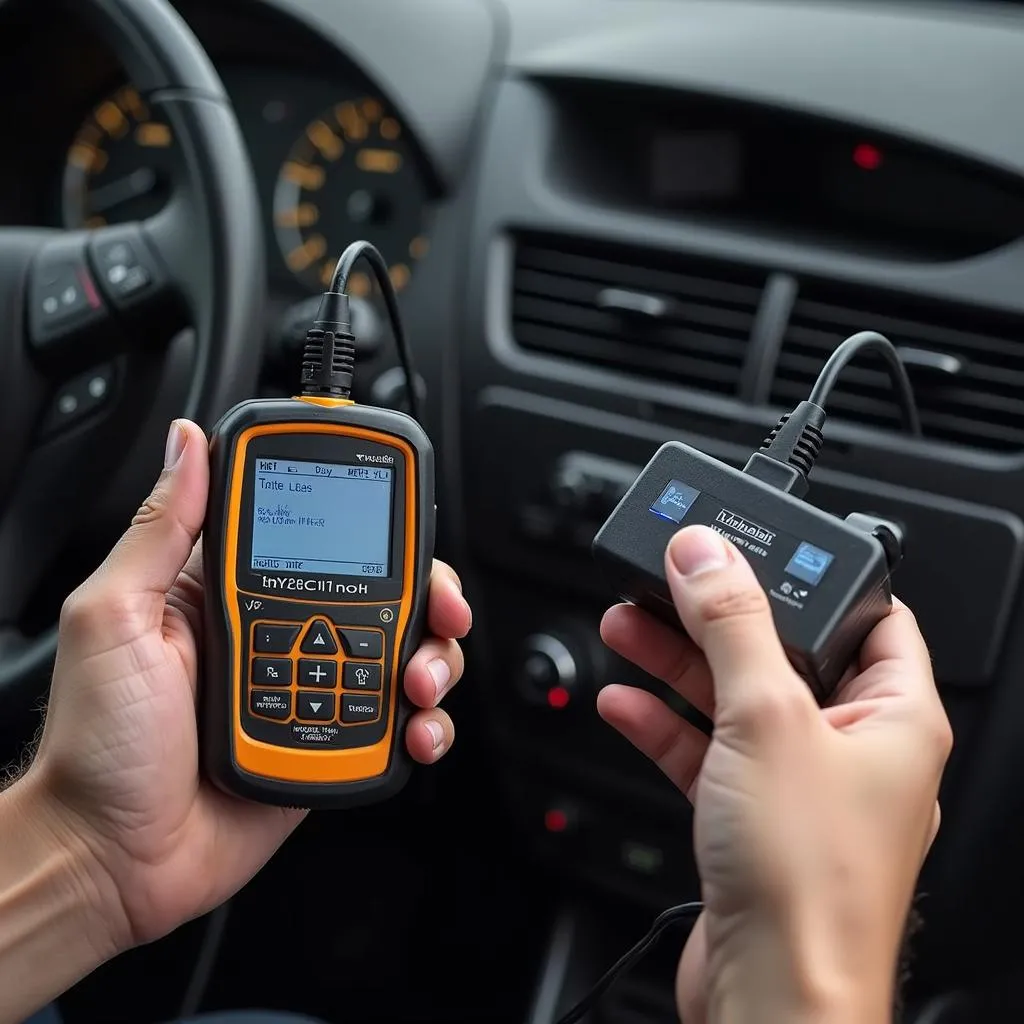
(318, 546)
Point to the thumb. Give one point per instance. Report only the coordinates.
(148, 558)
(726, 612)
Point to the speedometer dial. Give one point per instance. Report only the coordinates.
(121, 163)
(350, 175)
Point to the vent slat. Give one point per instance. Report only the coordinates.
(601, 352)
(715, 344)
(700, 341)
(982, 406)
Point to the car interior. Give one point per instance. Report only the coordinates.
(610, 225)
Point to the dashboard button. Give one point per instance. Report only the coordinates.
(274, 639)
(361, 677)
(315, 707)
(318, 673)
(359, 707)
(319, 639)
(361, 643)
(271, 672)
(271, 703)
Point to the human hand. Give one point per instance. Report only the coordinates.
(117, 766)
(810, 825)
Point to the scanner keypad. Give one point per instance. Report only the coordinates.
(314, 678)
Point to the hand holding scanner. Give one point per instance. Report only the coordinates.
(318, 546)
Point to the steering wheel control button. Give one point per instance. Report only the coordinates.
(361, 677)
(127, 280)
(361, 643)
(271, 639)
(68, 297)
(319, 639)
(315, 707)
(318, 673)
(63, 296)
(123, 264)
(271, 672)
(359, 707)
(79, 398)
(271, 703)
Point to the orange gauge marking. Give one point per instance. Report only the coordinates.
(379, 161)
(307, 176)
(309, 252)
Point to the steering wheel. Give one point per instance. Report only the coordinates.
(86, 318)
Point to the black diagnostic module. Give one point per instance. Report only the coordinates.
(827, 580)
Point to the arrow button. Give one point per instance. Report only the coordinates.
(315, 707)
(319, 639)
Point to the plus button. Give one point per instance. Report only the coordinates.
(317, 673)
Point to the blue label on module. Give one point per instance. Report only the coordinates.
(675, 501)
(809, 563)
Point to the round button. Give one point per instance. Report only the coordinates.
(386, 615)
(547, 673)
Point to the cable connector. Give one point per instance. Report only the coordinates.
(329, 356)
(789, 452)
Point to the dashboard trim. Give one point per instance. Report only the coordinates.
(846, 61)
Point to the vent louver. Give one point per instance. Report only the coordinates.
(968, 374)
(658, 316)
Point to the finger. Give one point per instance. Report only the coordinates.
(448, 612)
(726, 612)
(897, 639)
(148, 558)
(661, 652)
(429, 735)
(692, 976)
(674, 745)
(432, 671)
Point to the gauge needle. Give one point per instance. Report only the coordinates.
(132, 186)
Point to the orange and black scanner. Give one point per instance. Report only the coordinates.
(317, 547)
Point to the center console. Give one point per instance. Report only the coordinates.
(601, 324)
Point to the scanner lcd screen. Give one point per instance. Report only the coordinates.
(322, 517)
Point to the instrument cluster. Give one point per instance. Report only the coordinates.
(333, 163)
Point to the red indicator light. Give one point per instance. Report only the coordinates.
(558, 697)
(556, 821)
(867, 157)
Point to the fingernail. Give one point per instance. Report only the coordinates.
(436, 730)
(440, 672)
(697, 550)
(176, 438)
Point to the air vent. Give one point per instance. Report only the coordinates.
(637, 312)
(968, 371)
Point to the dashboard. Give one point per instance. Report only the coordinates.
(613, 225)
(332, 160)
(308, 138)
